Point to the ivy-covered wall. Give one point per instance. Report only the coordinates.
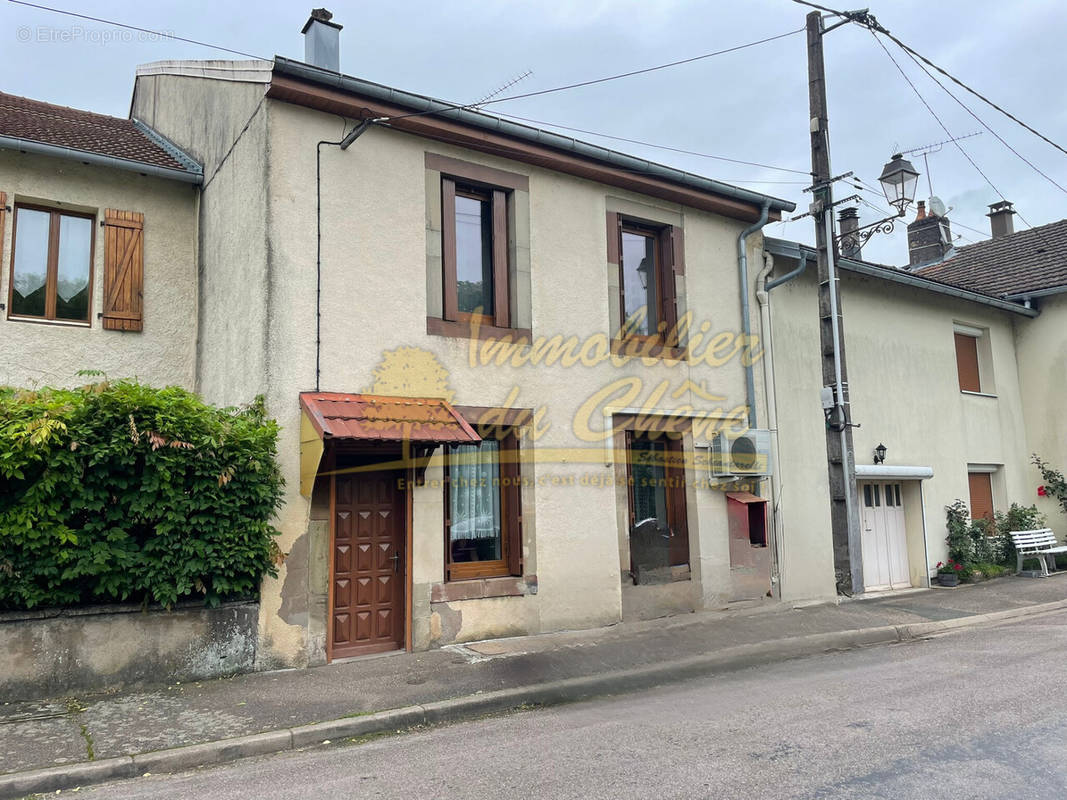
(118, 491)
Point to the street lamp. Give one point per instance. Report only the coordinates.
(899, 180)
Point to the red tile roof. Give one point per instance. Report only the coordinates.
(362, 416)
(1025, 261)
(23, 118)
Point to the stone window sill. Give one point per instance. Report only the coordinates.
(481, 588)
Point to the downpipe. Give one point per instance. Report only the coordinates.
(746, 325)
(763, 298)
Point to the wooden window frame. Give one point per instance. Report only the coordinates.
(51, 267)
(677, 504)
(510, 561)
(670, 261)
(968, 381)
(498, 198)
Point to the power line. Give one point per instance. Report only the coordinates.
(591, 82)
(161, 34)
(661, 147)
(981, 122)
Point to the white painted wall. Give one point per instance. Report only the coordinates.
(49, 354)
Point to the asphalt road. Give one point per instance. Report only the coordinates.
(960, 716)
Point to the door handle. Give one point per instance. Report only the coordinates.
(396, 562)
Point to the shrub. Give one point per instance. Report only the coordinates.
(119, 491)
(1017, 518)
(1055, 484)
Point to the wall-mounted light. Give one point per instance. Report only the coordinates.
(879, 454)
(642, 272)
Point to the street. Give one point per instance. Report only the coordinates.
(956, 716)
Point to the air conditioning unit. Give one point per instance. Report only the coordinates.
(747, 453)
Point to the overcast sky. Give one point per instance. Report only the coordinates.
(749, 105)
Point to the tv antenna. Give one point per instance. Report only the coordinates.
(503, 88)
(927, 149)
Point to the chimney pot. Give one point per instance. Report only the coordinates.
(921, 211)
(848, 221)
(1001, 219)
(322, 46)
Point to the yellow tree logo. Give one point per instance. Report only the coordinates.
(411, 372)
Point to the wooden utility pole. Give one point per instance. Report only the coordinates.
(840, 457)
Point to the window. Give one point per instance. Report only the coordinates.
(51, 265)
(967, 363)
(659, 534)
(974, 359)
(649, 260)
(981, 491)
(475, 253)
(483, 519)
(477, 250)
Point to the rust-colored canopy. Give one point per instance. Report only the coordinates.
(335, 415)
(745, 497)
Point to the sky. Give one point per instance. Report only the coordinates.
(750, 105)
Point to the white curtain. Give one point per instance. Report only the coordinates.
(474, 490)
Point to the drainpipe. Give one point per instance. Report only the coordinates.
(746, 326)
(343, 143)
(770, 394)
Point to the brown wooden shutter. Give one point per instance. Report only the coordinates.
(3, 219)
(613, 238)
(678, 250)
(668, 306)
(501, 295)
(123, 270)
(967, 363)
(450, 289)
(981, 489)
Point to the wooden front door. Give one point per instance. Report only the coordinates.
(367, 613)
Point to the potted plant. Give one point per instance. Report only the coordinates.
(948, 572)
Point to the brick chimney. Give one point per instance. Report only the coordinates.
(1001, 219)
(848, 220)
(929, 237)
(322, 41)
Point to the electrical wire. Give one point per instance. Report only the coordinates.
(660, 146)
(160, 34)
(591, 82)
(982, 122)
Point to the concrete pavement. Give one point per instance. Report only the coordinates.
(948, 717)
(64, 742)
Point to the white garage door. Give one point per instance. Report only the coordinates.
(885, 545)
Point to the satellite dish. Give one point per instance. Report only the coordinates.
(937, 207)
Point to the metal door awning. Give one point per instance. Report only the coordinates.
(337, 416)
(890, 471)
(745, 497)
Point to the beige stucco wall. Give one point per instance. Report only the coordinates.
(905, 394)
(1041, 349)
(38, 354)
(374, 301)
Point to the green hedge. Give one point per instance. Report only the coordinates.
(120, 491)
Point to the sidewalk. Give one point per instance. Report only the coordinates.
(64, 735)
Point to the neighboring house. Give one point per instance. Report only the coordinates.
(98, 230)
(447, 292)
(1027, 267)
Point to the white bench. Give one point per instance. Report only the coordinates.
(1040, 544)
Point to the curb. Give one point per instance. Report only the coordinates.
(20, 784)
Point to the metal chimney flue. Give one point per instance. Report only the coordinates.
(1001, 219)
(322, 41)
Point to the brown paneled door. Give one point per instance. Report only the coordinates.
(367, 614)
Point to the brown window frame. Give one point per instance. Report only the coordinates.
(670, 261)
(510, 561)
(677, 505)
(968, 363)
(498, 197)
(51, 266)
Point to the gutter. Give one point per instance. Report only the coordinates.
(475, 119)
(746, 324)
(785, 248)
(1027, 296)
(96, 159)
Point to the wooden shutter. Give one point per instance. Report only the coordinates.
(981, 489)
(123, 270)
(501, 295)
(967, 363)
(668, 306)
(3, 219)
(613, 238)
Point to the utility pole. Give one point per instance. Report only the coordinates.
(840, 457)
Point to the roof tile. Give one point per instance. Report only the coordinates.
(23, 118)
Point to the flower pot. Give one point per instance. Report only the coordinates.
(948, 579)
